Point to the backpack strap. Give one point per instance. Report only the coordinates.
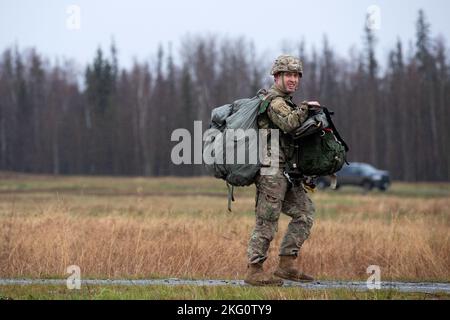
(331, 124)
(264, 105)
(337, 135)
(230, 195)
(267, 99)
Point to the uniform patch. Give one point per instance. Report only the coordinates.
(280, 106)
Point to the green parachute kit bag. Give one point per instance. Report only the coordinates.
(320, 150)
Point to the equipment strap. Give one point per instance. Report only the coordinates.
(230, 195)
(331, 124)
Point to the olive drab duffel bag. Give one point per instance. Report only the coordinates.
(321, 151)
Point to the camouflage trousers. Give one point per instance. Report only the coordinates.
(274, 194)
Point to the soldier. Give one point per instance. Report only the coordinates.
(281, 192)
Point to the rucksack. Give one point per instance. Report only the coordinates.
(241, 114)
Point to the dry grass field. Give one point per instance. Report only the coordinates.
(179, 227)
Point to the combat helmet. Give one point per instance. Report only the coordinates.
(287, 63)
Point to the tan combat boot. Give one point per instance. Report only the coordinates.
(257, 277)
(288, 271)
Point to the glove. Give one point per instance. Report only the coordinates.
(302, 113)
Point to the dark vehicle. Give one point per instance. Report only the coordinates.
(358, 174)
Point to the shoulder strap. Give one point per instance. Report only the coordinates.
(266, 100)
(264, 105)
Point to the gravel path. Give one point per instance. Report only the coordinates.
(424, 287)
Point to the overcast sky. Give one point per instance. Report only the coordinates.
(139, 26)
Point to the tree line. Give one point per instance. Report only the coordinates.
(117, 121)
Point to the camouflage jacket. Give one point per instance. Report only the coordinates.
(285, 115)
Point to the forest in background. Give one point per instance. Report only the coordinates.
(119, 121)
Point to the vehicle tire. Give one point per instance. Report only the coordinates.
(321, 185)
(367, 185)
(383, 187)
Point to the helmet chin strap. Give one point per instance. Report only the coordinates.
(283, 85)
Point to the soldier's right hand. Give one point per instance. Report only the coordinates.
(302, 113)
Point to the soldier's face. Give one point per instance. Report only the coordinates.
(291, 81)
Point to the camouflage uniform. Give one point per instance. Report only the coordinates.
(275, 194)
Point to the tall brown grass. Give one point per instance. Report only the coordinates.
(193, 236)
